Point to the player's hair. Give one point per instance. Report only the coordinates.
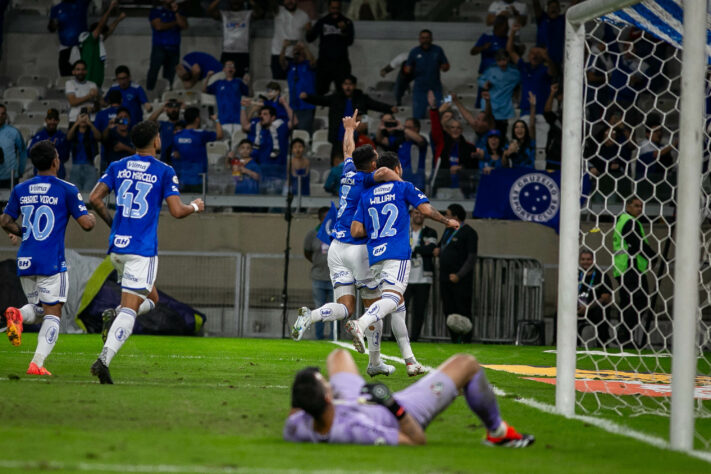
(415, 122)
(243, 141)
(426, 31)
(322, 211)
(42, 155)
(274, 86)
(350, 77)
(631, 199)
(458, 211)
(308, 393)
(388, 159)
(79, 61)
(586, 251)
(272, 110)
(297, 140)
(191, 114)
(122, 68)
(114, 96)
(3, 106)
(123, 109)
(501, 54)
(363, 156)
(143, 133)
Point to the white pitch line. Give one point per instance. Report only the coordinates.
(609, 426)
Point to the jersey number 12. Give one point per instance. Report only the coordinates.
(389, 210)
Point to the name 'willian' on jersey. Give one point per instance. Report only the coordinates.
(140, 183)
(45, 203)
(353, 183)
(384, 212)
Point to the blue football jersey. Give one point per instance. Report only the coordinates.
(140, 183)
(45, 202)
(384, 211)
(353, 183)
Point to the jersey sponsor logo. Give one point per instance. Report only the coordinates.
(340, 234)
(23, 263)
(379, 250)
(338, 275)
(535, 197)
(79, 197)
(175, 179)
(122, 241)
(383, 189)
(137, 165)
(348, 178)
(184, 140)
(41, 188)
(437, 388)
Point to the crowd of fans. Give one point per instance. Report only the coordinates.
(449, 142)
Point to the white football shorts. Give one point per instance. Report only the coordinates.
(391, 275)
(136, 273)
(348, 264)
(45, 289)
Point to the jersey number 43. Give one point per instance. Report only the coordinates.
(131, 197)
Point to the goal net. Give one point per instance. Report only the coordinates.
(632, 76)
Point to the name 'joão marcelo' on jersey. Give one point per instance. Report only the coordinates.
(353, 183)
(384, 212)
(141, 183)
(45, 203)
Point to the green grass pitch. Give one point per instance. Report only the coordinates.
(203, 404)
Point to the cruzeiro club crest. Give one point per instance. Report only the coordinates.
(535, 197)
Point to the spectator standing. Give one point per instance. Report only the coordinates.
(270, 137)
(554, 117)
(488, 44)
(104, 116)
(189, 151)
(632, 256)
(536, 75)
(290, 25)
(402, 81)
(316, 252)
(655, 160)
(116, 139)
(594, 294)
(551, 29)
(12, 151)
(343, 103)
(606, 155)
(482, 123)
(401, 10)
(68, 19)
(79, 92)
(167, 21)
(167, 127)
(134, 97)
(521, 150)
(228, 94)
(500, 81)
(91, 45)
(515, 11)
(333, 181)
(423, 241)
(235, 34)
(362, 137)
(403, 140)
(301, 77)
(51, 132)
(335, 33)
(494, 156)
(424, 63)
(457, 251)
(84, 139)
(245, 170)
(300, 169)
(279, 102)
(195, 66)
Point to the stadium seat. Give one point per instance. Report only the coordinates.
(43, 105)
(15, 106)
(34, 80)
(321, 112)
(108, 82)
(64, 121)
(320, 136)
(303, 134)
(237, 137)
(162, 85)
(320, 123)
(26, 130)
(322, 149)
(23, 94)
(61, 82)
(207, 99)
(40, 7)
(404, 111)
(216, 151)
(32, 118)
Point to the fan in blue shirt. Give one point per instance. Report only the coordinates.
(140, 183)
(195, 66)
(190, 152)
(69, 19)
(228, 93)
(134, 97)
(45, 203)
(57, 137)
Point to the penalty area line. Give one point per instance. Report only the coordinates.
(607, 425)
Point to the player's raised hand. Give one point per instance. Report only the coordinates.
(351, 122)
(453, 224)
(199, 203)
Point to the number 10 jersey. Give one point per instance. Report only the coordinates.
(140, 183)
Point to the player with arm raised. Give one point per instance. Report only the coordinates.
(141, 183)
(383, 217)
(348, 256)
(347, 410)
(45, 203)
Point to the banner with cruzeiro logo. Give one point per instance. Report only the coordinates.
(520, 194)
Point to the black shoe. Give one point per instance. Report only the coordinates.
(107, 319)
(98, 369)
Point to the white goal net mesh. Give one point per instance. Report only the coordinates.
(630, 144)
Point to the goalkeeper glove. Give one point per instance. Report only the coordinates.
(379, 393)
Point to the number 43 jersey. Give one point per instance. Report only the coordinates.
(45, 202)
(384, 211)
(140, 183)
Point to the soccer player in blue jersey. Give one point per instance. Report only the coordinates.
(141, 182)
(45, 203)
(383, 217)
(347, 256)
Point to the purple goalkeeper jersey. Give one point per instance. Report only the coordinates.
(358, 423)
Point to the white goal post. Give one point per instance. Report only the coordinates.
(686, 276)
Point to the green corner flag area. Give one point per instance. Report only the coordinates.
(218, 405)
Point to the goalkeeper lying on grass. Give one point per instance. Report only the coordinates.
(347, 410)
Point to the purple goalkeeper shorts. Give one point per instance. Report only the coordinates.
(428, 397)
